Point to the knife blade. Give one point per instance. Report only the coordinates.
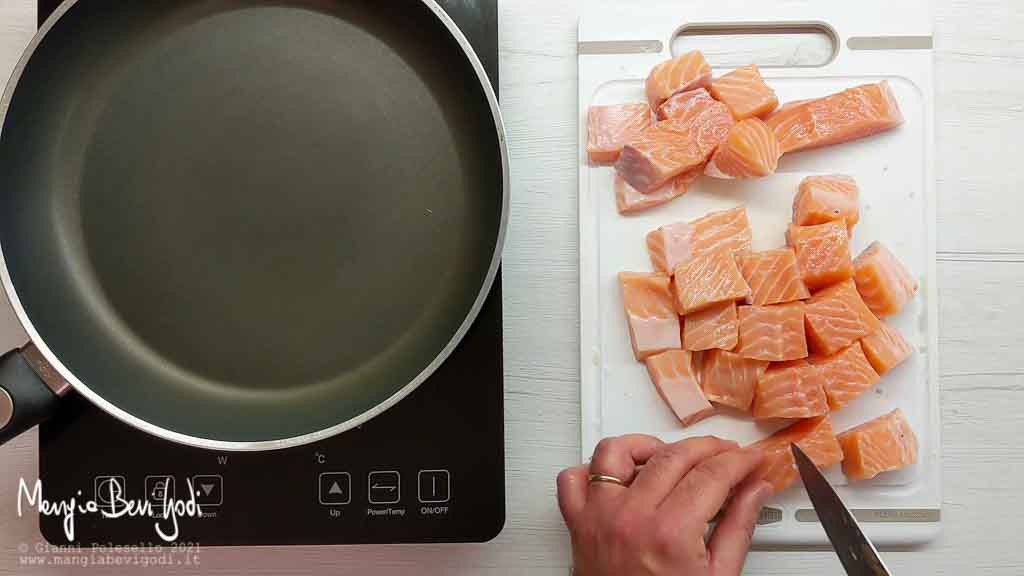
(857, 554)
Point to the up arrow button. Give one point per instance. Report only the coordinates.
(335, 488)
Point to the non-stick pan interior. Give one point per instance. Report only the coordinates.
(248, 220)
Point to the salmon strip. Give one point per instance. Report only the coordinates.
(814, 436)
(673, 146)
(851, 114)
(629, 200)
(745, 93)
(822, 253)
(773, 277)
(728, 378)
(714, 327)
(708, 279)
(609, 128)
(885, 348)
(880, 445)
(687, 71)
(672, 245)
(883, 282)
(673, 375)
(653, 322)
(847, 374)
(836, 317)
(824, 199)
(793, 389)
(749, 151)
(773, 333)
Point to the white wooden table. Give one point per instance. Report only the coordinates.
(980, 120)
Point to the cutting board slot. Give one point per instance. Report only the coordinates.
(801, 45)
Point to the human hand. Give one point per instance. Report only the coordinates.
(655, 522)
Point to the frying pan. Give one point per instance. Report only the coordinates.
(244, 224)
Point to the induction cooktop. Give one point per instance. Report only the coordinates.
(430, 469)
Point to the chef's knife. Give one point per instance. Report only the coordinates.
(857, 554)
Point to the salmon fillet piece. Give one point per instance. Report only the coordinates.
(793, 389)
(713, 327)
(653, 322)
(814, 436)
(687, 71)
(728, 378)
(672, 245)
(848, 115)
(773, 332)
(847, 374)
(880, 445)
(745, 93)
(609, 128)
(773, 277)
(673, 146)
(885, 348)
(749, 151)
(708, 279)
(883, 282)
(673, 375)
(822, 253)
(629, 200)
(823, 199)
(837, 317)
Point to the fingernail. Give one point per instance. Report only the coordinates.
(764, 492)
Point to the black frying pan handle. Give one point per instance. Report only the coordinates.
(25, 399)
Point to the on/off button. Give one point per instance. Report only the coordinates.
(435, 486)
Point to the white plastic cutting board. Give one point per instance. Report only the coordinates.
(617, 49)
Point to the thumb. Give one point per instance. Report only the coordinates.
(730, 539)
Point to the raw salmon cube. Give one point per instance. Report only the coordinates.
(629, 200)
(822, 253)
(714, 327)
(883, 282)
(743, 90)
(851, 114)
(773, 277)
(749, 151)
(672, 245)
(609, 128)
(673, 146)
(653, 322)
(687, 71)
(836, 318)
(673, 375)
(708, 279)
(773, 333)
(885, 348)
(793, 389)
(880, 445)
(814, 436)
(823, 199)
(728, 378)
(847, 374)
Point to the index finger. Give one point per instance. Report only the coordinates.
(705, 488)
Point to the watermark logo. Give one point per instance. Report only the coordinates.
(112, 503)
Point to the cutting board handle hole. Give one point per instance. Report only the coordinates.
(769, 45)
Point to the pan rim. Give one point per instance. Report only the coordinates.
(310, 437)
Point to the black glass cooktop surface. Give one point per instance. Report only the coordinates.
(430, 469)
